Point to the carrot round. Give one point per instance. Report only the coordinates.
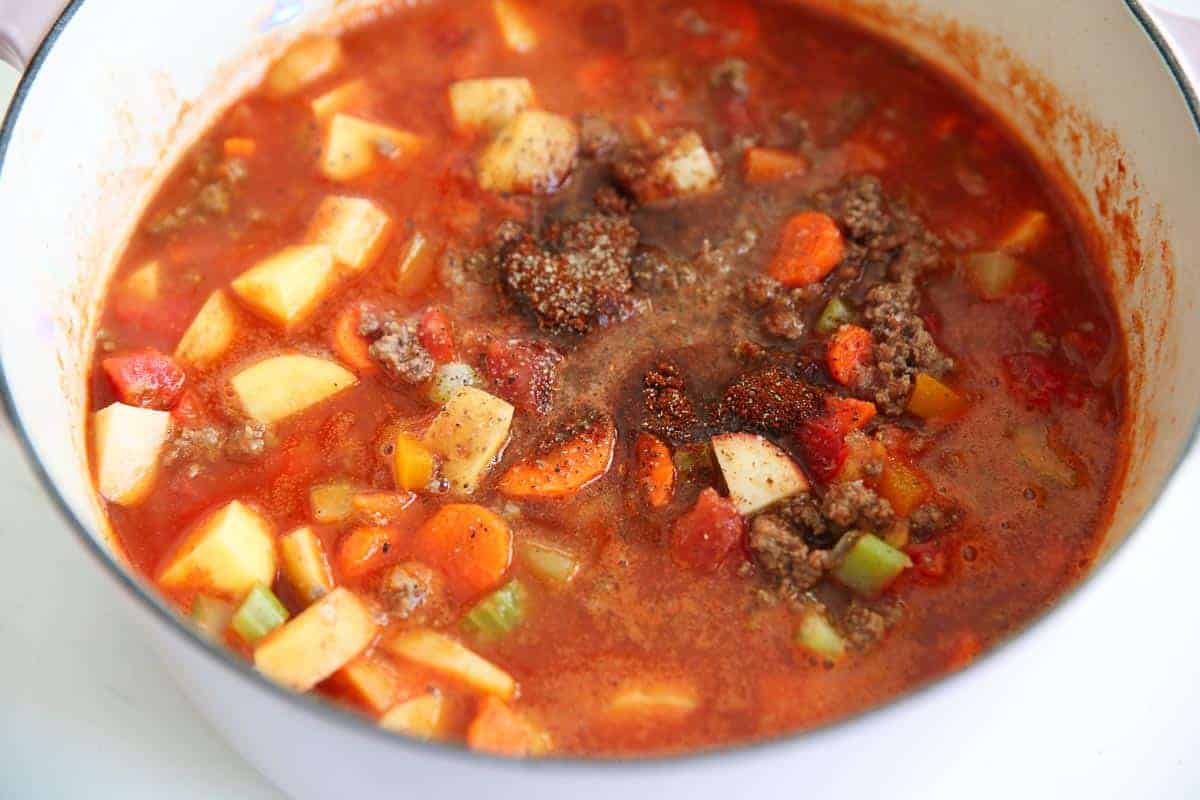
(348, 343)
(467, 542)
(849, 352)
(566, 467)
(655, 470)
(809, 248)
(367, 549)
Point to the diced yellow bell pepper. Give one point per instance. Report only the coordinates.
(412, 463)
(902, 486)
(932, 399)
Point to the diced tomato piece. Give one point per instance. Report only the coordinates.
(1040, 382)
(704, 536)
(929, 559)
(523, 372)
(435, 334)
(823, 442)
(189, 411)
(146, 378)
(847, 413)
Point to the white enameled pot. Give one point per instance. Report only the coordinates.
(113, 91)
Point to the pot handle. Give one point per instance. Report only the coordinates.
(23, 25)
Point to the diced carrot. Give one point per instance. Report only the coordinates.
(412, 463)
(903, 486)
(849, 352)
(349, 345)
(367, 549)
(388, 506)
(655, 470)
(849, 413)
(501, 731)
(809, 248)
(467, 542)
(566, 466)
(435, 334)
(145, 378)
(239, 147)
(932, 399)
(768, 164)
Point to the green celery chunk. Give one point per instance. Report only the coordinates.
(835, 315)
(549, 563)
(819, 637)
(693, 458)
(211, 615)
(498, 613)
(449, 378)
(259, 614)
(870, 565)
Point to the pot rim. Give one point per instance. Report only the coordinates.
(355, 723)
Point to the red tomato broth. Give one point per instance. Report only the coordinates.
(634, 611)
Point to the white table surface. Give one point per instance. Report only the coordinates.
(87, 711)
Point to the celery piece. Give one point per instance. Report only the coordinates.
(211, 615)
(259, 614)
(693, 458)
(449, 378)
(992, 274)
(498, 613)
(549, 563)
(819, 637)
(870, 565)
(835, 315)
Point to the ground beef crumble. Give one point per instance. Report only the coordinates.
(853, 505)
(396, 348)
(574, 277)
(903, 345)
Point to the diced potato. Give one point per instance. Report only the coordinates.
(372, 682)
(416, 265)
(305, 565)
(332, 502)
(757, 473)
(444, 655)
(489, 103)
(143, 283)
(129, 441)
(685, 168)
(350, 96)
(1026, 233)
(819, 637)
(318, 642)
(353, 146)
(421, 717)
(286, 287)
(467, 435)
(532, 154)
(280, 386)
(229, 552)
(354, 228)
(305, 62)
(515, 29)
(1033, 448)
(211, 332)
(656, 699)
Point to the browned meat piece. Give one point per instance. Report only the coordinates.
(413, 591)
(576, 276)
(770, 399)
(608, 200)
(523, 372)
(863, 626)
(853, 505)
(597, 136)
(780, 551)
(928, 520)
(903, 345)
(761, 290)
(783, 320)
(395, 346)
(668, 410)
(654, 270)
(803, 513)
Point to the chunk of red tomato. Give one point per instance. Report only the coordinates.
(435, 334)
(523, 372)
(145, 378)
(704, 536)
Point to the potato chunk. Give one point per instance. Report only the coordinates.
(442, 654)
(685, 168)
(211, 332)
(354, 228)
(128, 441)
(305, 565)
(305, 62)
(467, 435)
(144, 282)
(350, 96)
(230, 551)
(518, 34)
(655, 699)
(757, 472)
(277, 387)
(286, 287)
(532, 154)
(421, 717)
(489, 103)
(318, 642)
(371, 682)
(353, 146)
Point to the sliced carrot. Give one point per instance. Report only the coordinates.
(848, 413)
(349, 344)
(809, 248)
(239, 147)
(499, 730)
(849, 351)
(566, 466)
(367, 549)
(655, 470)
(768, 164)
(467, 542)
